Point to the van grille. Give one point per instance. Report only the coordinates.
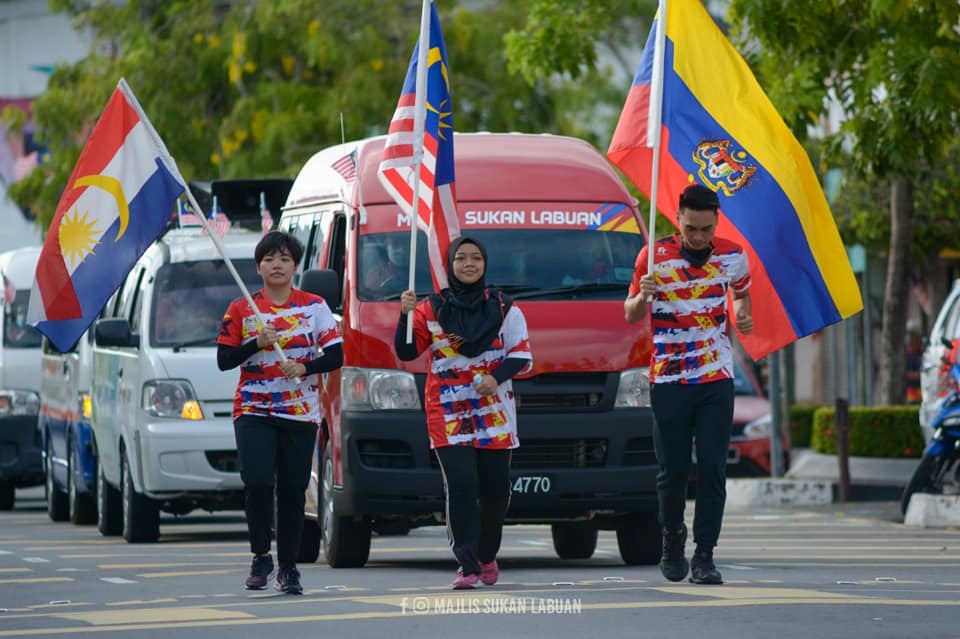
(639, 452)
(532, 454)
(562, 390)
(578, 400)
(560, 453)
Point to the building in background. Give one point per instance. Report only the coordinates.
(32, 42)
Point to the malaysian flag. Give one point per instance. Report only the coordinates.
(437, 206)
(346, 166)
(266, 220)
(186, 215)
(218, 220)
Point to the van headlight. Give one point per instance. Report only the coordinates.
(19, 402)
(758, 428)
(634, 389)
(377, 389)
(170, 398)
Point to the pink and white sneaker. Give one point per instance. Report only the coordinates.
(489, 573)
(465, 582)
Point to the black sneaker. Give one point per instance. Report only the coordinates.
(288, 581)
(674, 564)
(260, 571)
(703, 570)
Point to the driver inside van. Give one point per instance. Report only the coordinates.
(378, 275)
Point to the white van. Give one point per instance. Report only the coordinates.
(69, 461)
(21, 462)
(162, 410)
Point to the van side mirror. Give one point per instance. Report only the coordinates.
(115, 332)
(946, 342)
(322, 282)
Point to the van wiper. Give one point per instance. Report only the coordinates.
(515, 288)
(590, 287)
(394, 297)
(200, 341)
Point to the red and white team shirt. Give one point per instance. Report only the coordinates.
(304, 325)
(456, 414)
(689, 310)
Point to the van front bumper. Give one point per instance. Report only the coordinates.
(183, 456)
(21, 459)
(569, 466)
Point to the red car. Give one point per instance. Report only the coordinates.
(749, 454)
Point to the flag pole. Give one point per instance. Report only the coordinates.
(419, 123)
(654, 119)
(171, 166)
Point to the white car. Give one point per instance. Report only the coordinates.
(161, 408)
(934, 377)
(21, 462)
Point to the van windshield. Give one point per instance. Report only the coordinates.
(16, 332)
(190, 298)
(547, 264)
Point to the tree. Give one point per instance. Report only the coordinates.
(889, 64)
(252, 89)
(891, 67)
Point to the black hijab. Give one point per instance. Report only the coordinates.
(470, 314)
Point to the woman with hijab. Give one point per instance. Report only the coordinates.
(477, 340)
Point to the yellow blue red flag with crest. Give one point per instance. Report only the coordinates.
(718, 128)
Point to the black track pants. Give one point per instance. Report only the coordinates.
(477, 484)
(684, 413)
(275, 457)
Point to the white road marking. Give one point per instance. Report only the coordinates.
(117, 580)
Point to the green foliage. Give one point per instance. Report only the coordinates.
(801, 423)
(891, 67)
(252, 89)
(890, 431)
(862, 215)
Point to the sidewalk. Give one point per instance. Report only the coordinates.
(813, 478)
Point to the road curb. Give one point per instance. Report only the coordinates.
(778, 492)
(933, 511)
(765, 491)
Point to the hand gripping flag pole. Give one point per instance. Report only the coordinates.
(653, 129)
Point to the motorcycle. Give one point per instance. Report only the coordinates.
(939, 469)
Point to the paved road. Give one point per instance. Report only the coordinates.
(827, 572)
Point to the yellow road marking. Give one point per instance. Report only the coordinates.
(185, 573)
(866, 563)
(153, 615)
(9, 570)
(179, 564)
(141, 602)
(125, 555)
(35, 580)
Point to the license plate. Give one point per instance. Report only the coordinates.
(532, 485)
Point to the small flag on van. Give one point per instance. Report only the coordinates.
(9, 290)
(346, 166)
(186, 215)
(219, 222)
(266, 220)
